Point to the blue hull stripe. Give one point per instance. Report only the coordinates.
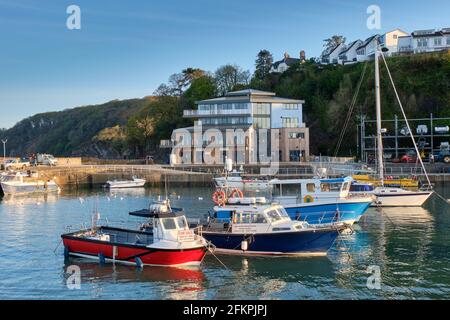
(327, 213)
(284, 242)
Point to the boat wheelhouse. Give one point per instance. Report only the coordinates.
(319, 201)
(249, 226)
(170, 241)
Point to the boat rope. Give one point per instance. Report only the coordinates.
(54, 251)
(350, 111)
(210, 244)
(406, 121)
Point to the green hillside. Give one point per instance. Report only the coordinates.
(134, 127)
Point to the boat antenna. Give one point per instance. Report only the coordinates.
(407, 124)
(378, 113)
(166, 191)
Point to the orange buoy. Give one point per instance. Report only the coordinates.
(236, 193)
(219, 197)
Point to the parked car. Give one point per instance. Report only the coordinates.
(409, 157)
(443, 156)
(16, 164)
(46, 159)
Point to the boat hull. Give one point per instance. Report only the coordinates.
(320, 213)
(128, 254)
(297, 243)
(128, 184)
(410, 199)
(11, 188)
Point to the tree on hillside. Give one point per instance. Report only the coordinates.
(200, 89)
(228, 76)
(179, 82)
(263, 64)
(332, 42)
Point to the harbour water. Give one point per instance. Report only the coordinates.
(410, 246)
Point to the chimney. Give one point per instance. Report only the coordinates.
(302, 55)
(286, 56)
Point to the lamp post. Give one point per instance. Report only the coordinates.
(4, 149)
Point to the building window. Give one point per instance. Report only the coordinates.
(240, 106)
(448, 41)
(290, 122)
(437, 42)
(261, 123)
(261, 108)
(296, 135)
(290, 106)
(225, 106)
(394, 36)
(422, 42)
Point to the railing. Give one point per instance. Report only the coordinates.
(196, 113)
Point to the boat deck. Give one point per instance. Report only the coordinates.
(115, 235)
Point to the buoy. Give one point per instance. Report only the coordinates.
(101, 258)
(138, 261)
(244, 245)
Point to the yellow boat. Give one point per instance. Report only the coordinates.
(393, 182)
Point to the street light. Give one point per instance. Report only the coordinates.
(4, 149)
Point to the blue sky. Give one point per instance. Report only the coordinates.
(125, 49)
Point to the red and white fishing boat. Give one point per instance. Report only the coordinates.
(169, 243)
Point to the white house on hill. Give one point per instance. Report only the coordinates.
(331, 56)
(366, 50)
(282, 65)
(390, 40)
(425, 41)
(348, 55)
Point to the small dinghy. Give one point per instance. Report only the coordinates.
(249, 226)
(118, 184)
(169, 242)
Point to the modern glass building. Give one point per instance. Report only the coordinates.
(254, 113)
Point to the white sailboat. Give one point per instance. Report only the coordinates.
(389, 196)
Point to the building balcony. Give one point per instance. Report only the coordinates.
(214, 113)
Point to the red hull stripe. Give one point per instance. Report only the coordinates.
(128, 253)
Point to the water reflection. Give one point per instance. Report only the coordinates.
(29, 199)
(178, 282)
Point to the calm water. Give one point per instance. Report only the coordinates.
(410, 245)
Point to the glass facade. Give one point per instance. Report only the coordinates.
(290, 122)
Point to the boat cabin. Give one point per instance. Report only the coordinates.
(295, 191)
(248, 219)
(167, 223)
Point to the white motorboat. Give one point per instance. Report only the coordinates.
(22, 184)
(134, 183)
(234, 179)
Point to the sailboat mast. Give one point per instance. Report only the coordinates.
(378, 114)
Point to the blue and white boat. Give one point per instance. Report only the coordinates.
(250, 227)
(319, 201)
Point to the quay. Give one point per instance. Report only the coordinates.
(88, 175)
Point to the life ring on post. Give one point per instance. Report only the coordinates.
(237, 193)
(308, 199)
(219, 197)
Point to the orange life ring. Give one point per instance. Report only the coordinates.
(219, 197)
(236, 192)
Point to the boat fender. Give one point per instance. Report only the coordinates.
(138, 261)
(101, 258)
(244, 245)
(66, 252)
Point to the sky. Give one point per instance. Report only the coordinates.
(125, 49)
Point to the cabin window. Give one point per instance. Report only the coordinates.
(250, 217)
(273, 215)
(330, 187)
(282, 212)
(346, 186)
(276, 190)
(310, 187)
(291, 189)
(181, 221)
(169, 224)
